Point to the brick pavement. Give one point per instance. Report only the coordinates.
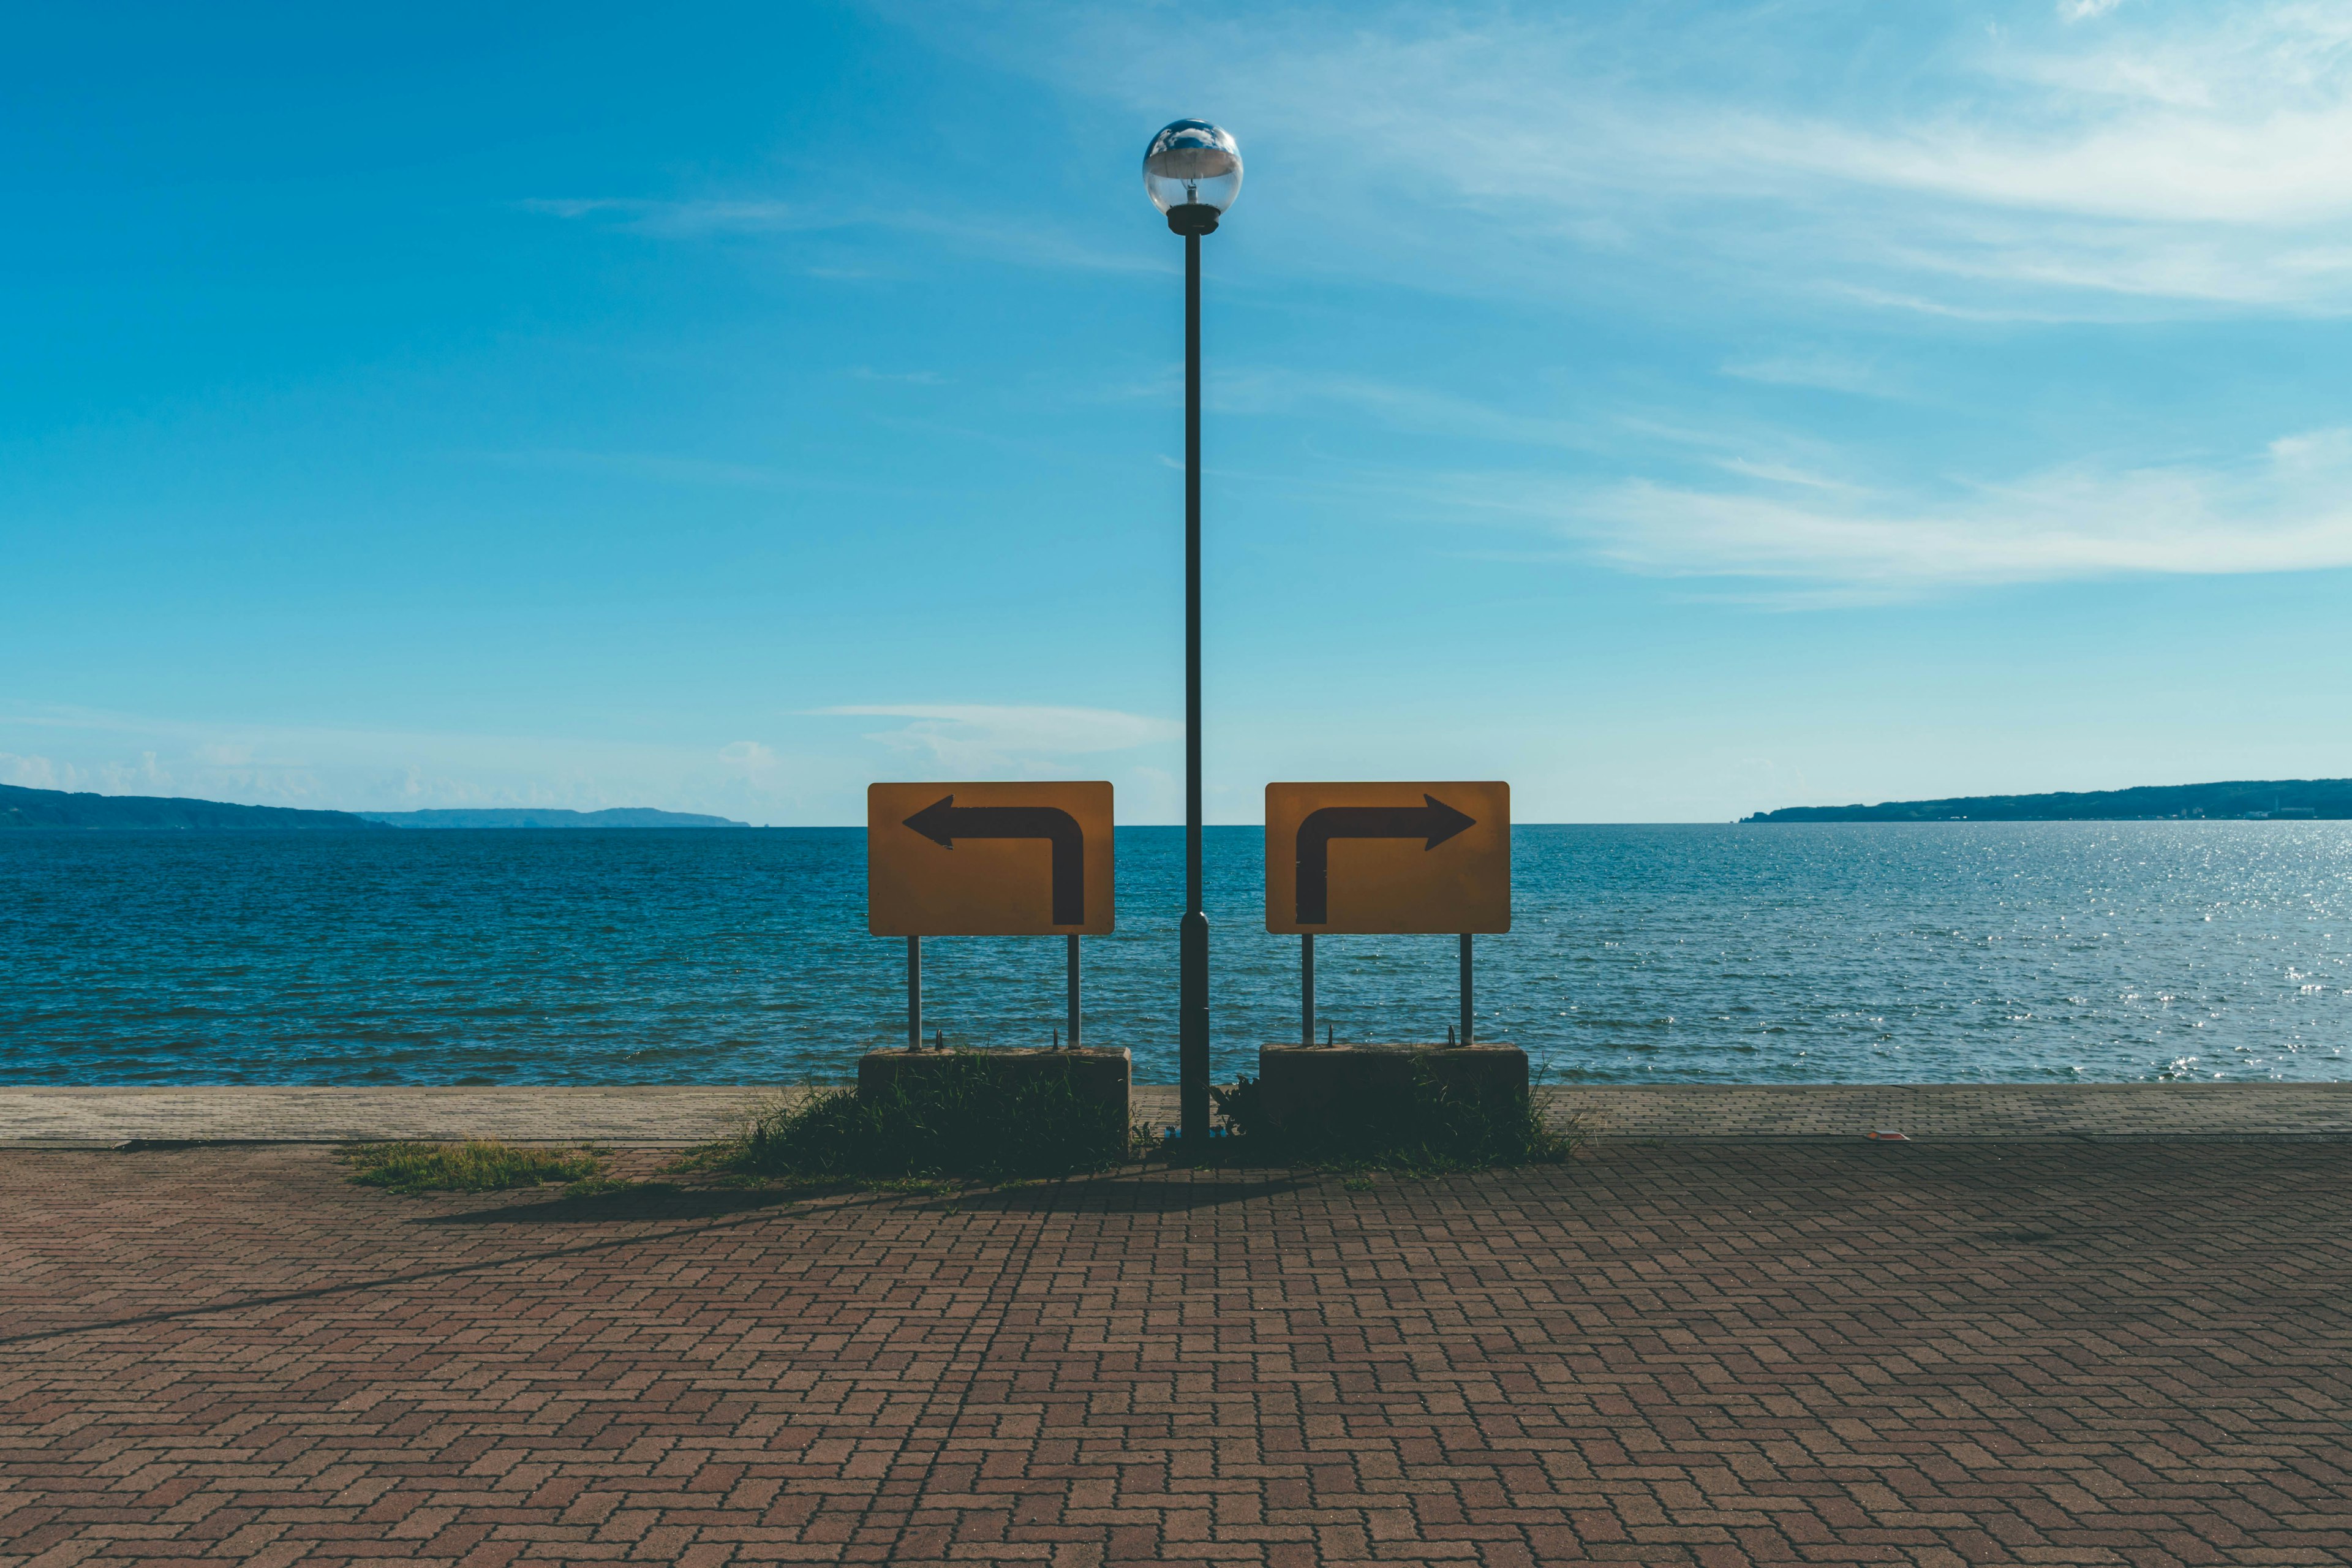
(2053, 1353)
(644, 1114)
(640, 1114)
(2028, 1110)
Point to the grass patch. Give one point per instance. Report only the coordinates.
(598, 1184)
(1430, 1128)
(480, 1166)
(968, 1116)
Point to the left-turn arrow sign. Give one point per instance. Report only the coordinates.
(943, 822)
(988, 860)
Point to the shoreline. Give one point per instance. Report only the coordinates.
(678, 1115)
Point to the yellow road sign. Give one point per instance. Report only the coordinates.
(1388, 857)
(988, 860)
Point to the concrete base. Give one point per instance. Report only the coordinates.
(1314, 1086)
(1098, 1074)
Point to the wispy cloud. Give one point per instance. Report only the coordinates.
(2183, 156)
(975, 739)
(659, 468)
(2288, 508)
(1820, 369)
(1035, 243)
(2080, 158)
(904, 377)
(685, 472)
(684, 218)
(390, 770)
(761, 780)
(1398, 405)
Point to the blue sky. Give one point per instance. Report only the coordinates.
(1674, 410)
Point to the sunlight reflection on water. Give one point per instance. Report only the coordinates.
(1943, 953)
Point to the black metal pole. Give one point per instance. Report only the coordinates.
(1465, 987)
(1307, 988)
(914, 994)
(1192, 999)
(1074, 991)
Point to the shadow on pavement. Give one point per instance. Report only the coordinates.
(1131, 1192)
(651, 1201)
(1145, 1192)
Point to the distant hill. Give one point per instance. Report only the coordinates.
(61, 809)
(2329, 799)
(56, 808)
(541, 816)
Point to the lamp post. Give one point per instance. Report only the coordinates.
(1193, 172)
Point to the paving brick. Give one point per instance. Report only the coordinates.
(1987, 1352)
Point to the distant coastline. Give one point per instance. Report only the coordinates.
(537, 816)
(62, 809)
(2325, 800)
(58, 810)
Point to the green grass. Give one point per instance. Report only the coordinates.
(480, 1166)
(967, 1117)
(601, 1185)
(1429, 1130)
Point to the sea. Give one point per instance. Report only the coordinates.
(1945, 952)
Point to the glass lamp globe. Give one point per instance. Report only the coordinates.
(1193, 172)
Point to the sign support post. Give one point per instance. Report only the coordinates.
(1465, 987)
(914, 994)
(1307, 988)
(1074, 991)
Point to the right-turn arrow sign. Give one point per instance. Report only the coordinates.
(1434, 822)
(1418, 857)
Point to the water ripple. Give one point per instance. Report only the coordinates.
(1960, 952)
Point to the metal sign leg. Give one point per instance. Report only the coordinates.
(914, 994)
(1465, 987)
(1074, 992)
(1307, 988)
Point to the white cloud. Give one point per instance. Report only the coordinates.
(386, 770)
(974, 738)
(807, 779)
(2159, 158)
(1028, 243)
(1423, 410)
(681, 219)
(1828, 370)
(658, 467)
(39, 773)
(2287, 508)
(2192, 156)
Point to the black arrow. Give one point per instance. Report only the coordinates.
(1436, 822)
(943, 822)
